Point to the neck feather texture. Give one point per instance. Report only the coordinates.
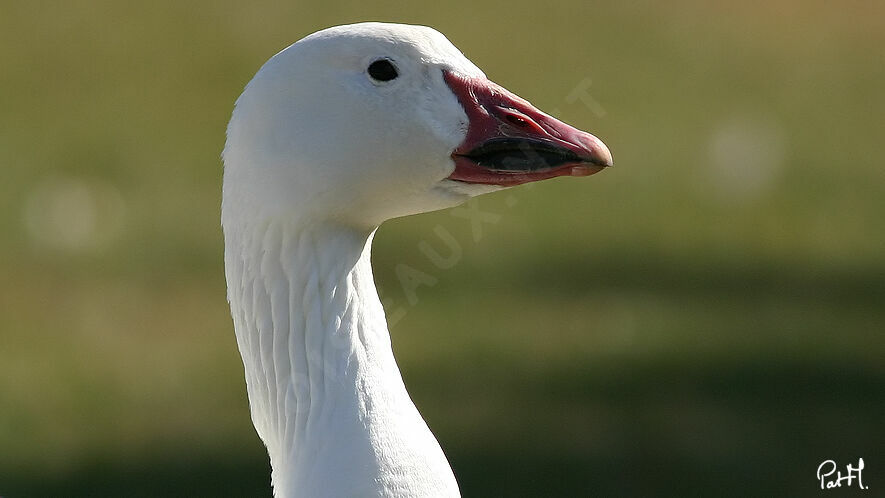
(325, 392)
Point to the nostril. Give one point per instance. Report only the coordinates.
(517, 120)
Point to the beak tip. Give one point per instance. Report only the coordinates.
(600, 154)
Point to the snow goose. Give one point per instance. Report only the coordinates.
(344, 129)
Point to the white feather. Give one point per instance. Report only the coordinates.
(317, 157)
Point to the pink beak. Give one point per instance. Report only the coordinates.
(510, 142)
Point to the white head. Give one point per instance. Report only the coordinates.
(347, 128)
(362, 123)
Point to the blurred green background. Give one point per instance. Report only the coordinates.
(705, 319)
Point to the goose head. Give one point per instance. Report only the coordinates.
(361, 123)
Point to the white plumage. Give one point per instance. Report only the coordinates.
(318, 154)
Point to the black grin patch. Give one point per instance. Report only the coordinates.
(522, 154)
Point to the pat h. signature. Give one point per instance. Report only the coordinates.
(830, 477)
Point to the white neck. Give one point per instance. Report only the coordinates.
(325, 392)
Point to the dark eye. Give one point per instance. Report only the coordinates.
(382, 70)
